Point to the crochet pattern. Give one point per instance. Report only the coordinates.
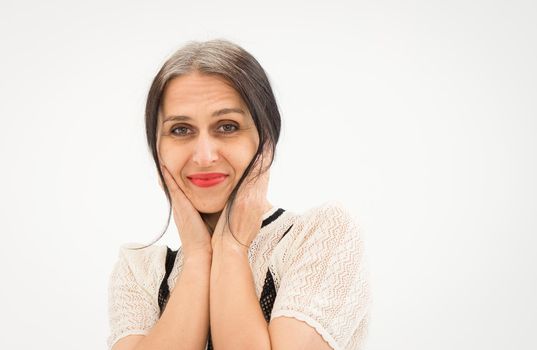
(317, 274)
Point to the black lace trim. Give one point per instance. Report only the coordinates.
(164, 291)
(268, 294)
(273, 217)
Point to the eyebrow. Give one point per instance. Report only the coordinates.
(215, 114)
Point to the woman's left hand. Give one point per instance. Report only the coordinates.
(245, 220)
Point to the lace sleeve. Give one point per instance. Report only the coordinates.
(132, 308)
(325, 280)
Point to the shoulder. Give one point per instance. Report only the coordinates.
(133, 290)
(327, 229)
(333, 209)
(329, 219)
(145, 266)
(322, 278)
(144, 258)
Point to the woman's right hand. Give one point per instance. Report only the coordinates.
(193, 233)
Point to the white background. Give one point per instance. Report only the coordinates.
(420, 116)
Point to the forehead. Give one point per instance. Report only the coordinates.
(196, 92)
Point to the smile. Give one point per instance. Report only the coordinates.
(208, 181)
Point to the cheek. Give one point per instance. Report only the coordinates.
(239, 157)
(173, 158)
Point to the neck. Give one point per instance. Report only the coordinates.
(211, 219)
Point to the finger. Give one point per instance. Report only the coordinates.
(255, 187)
(175, 191)
(265, 159)
(255, 172)
(259, 172)
(265, 177)
(168, 179)
(263, 183)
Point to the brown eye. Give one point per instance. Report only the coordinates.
(181, 130)
(228, 128)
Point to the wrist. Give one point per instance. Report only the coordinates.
(197, 256)
(228, 244)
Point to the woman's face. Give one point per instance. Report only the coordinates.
(205, 127)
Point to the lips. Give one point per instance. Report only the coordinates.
(206, 176)
(207, 179)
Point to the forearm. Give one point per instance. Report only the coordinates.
(184, 323)
(237, 321)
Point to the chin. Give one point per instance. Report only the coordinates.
(210, 208)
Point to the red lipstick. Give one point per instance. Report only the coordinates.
(207, 179)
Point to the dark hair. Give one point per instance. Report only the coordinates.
(244, 73)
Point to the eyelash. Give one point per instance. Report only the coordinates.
(185, 127)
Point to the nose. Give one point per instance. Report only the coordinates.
(205, 151)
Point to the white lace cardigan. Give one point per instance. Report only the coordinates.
(319, 271)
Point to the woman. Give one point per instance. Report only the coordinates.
(248, 274)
